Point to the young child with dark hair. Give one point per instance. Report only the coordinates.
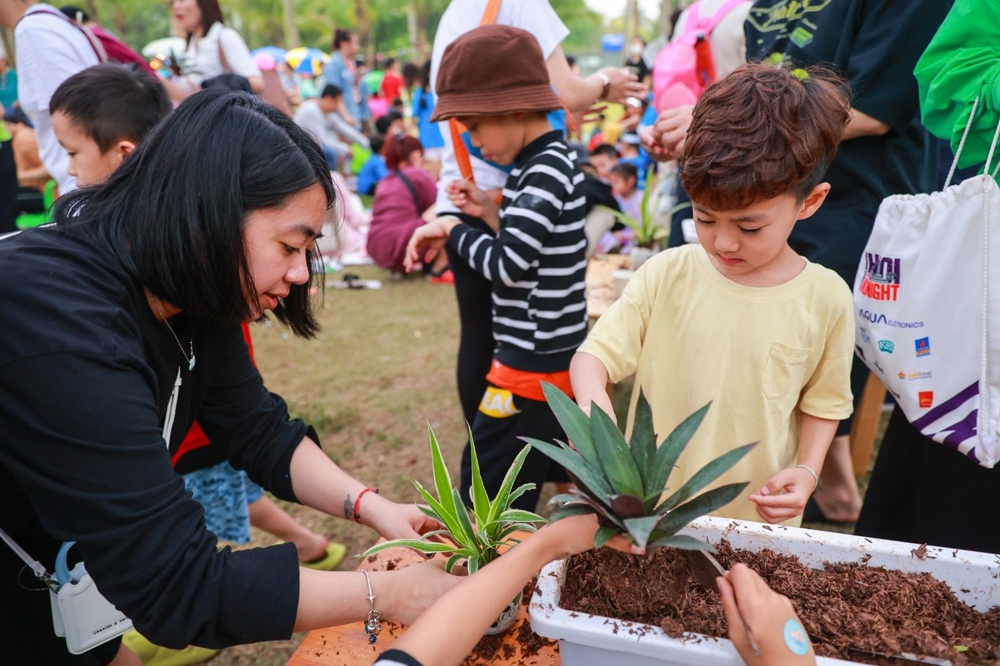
(536, 262)
(101, 113)
(740, 320)
(604, 157)
(374, 169)
(624, 181)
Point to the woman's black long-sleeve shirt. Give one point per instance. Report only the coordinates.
(86, 376)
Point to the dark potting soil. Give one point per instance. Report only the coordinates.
(491, 649)
(842, 606)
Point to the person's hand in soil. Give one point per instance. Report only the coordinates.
(465, 196)
(431, 237)
(785, 495)
(781, 639)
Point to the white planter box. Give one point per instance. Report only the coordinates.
(589, 640)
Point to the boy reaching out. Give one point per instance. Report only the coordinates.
(536, 261)
(740, 319)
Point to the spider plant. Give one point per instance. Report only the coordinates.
(493, 526)
(624, 482)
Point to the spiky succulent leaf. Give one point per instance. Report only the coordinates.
(603, 534)
(442, 479)
(520, 516)
(571, 509)
(639, 529)
(573, 420)
(642, 443)
(480, 500)
(468, 535)
(452, 561)
(503, 499)
(563, 498)
(614, 454)
(517, 492)
(587, 476)
(681, 541)
(415, 544)
(707, 502)
(604, 514)
(705, 476)
(440, 513)
(627, 506)
(671, 449)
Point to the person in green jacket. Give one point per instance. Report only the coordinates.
(962, 63)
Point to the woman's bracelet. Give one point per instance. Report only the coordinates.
(372, 624)
(357, 503)
(809, 469)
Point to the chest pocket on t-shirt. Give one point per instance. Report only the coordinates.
(784, 372)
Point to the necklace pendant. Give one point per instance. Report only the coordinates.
(191, 364)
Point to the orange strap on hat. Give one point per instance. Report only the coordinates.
(461, 152)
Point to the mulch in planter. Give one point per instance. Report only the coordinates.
(843, 606)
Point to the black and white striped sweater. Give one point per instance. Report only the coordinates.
(537, 262)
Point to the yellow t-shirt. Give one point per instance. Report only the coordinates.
(760, 355)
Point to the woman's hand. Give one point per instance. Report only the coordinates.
(396, 521)
(431, 237)
(404, 594)
(781, 639)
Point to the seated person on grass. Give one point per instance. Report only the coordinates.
(536, 262)
(374, 169)
(740, 319)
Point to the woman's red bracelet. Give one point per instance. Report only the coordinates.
(357, 503)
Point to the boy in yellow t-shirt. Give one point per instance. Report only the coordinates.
(740, 319)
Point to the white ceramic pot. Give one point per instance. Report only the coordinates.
(507, 617)
(639, 256)
(589, 640)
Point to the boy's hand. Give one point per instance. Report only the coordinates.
(433, 236)
(468, 198)
(652, 146)
(785, 495)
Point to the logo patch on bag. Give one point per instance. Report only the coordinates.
(926, 399)
(923, 346)
(881, 281)
(886, 346)
(498, 403)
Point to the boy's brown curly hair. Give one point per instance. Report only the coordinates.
(761, 132)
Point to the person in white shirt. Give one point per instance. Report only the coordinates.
(321, 119)
(50, 49)
(208, 42)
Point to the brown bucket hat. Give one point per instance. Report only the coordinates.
(493, 70)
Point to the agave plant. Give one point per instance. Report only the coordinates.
(624, 482)
(647, 232)
(494, 525)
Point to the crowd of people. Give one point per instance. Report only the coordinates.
(189, 201)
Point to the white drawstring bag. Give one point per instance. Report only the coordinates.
(928, 314)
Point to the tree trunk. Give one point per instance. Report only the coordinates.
(365, 31)
(291, 28)
(631, 19)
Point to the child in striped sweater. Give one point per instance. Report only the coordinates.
(536, 261)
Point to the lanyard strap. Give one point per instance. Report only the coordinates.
(34, 565)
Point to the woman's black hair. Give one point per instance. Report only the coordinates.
(174, 212)
(211, 13)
